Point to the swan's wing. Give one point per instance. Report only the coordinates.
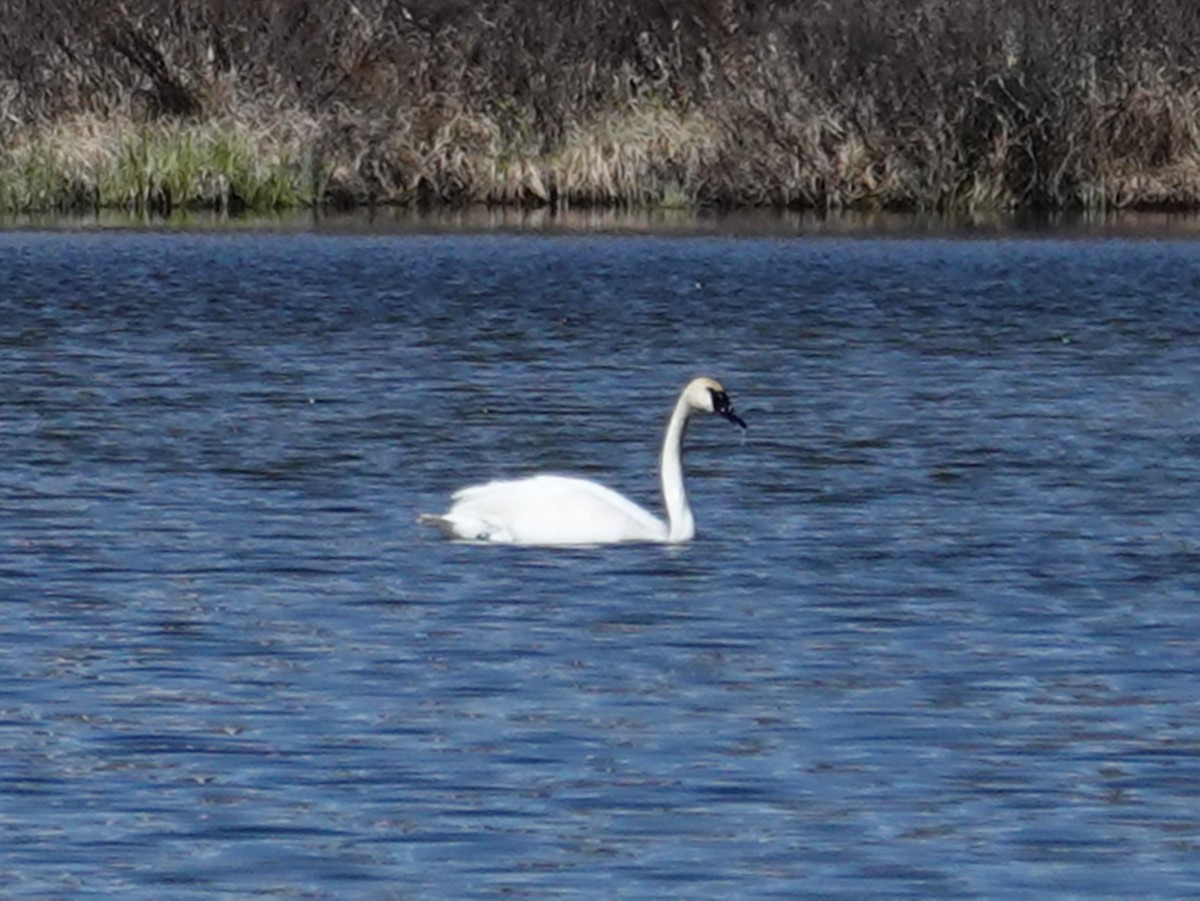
(549, 509)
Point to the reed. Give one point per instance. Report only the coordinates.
(643, 154)
(970, 106)
(96, 163)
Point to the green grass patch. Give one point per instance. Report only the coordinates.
(157, 168)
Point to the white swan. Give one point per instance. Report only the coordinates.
(556, 510)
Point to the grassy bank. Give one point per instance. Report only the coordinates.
(876, 104)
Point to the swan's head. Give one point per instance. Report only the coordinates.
(706, 395)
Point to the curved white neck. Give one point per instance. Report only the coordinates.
(680, 525)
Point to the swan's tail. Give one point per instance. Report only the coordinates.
(466, 528)
(438, 522)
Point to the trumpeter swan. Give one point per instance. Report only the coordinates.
(552, 509)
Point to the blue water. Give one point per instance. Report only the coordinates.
(938, 634)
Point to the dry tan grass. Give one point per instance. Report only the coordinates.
(633, 155)
(1144, 148)
(636, 155)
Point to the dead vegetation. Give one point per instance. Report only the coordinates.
(822, 104)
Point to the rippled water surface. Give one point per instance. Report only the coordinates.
(938, 634)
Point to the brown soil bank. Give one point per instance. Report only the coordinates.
(894, 104)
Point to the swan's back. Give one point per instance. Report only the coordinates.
(547, 509)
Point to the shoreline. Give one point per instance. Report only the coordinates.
(665, 223)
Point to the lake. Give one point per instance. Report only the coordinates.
(938, 633)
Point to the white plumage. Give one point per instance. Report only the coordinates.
(560, 510)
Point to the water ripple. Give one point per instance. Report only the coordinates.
(936, 636)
